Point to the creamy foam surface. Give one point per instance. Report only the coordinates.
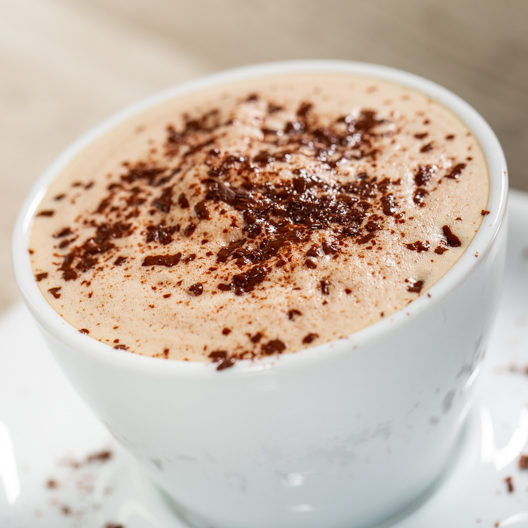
(260, 217)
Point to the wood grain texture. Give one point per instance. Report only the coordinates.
(67, 64)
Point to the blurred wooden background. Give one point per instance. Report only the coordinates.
(67, 64)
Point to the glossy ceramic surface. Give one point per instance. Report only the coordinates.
(341, 435)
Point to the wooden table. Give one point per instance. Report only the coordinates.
(67, 64)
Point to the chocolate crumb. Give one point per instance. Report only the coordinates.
(484, 212)
(226, 331)
(121, 347)
(49, 212)
(439, 250)
(41, 276)
(99, 456)
(523, 462)
(84, 331)
(509, 484)
(113, 525)
(52, 484)
(119, 260)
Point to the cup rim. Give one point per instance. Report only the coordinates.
(487, 232)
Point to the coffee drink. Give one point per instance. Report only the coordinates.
(259, 217)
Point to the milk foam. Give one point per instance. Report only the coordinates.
(260, 217)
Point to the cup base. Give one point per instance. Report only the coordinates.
(146, 502)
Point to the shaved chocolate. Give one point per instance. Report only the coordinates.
(63, 233)
(310, 338)
(245, 282)
(509, 485)
(256, 338)
(49, 212)
(484, 212)
(415, 286)
(275, 346)
(41, 276)
(389, 207)
(418, 246)
(227, 251)
(189, 230)
(161, 233)
(183, 202)
(223, 358)
(162, 260)
(120, 347)
(196, 289)
(55, 292)
(293, 314)
(84, 331)
(164, 202)
(304, 110)
(456, 171)
(452, 239)
(419, 196)
(325, 286)
(439, 250)
(423, 174)
(201, 211)
(367, 238)
(69, 275)
(427, 148)
(329, 248)
(272, 108)
(523, 462)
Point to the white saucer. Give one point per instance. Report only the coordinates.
(45, 428)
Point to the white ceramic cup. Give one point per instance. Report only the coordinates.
(340, 435)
